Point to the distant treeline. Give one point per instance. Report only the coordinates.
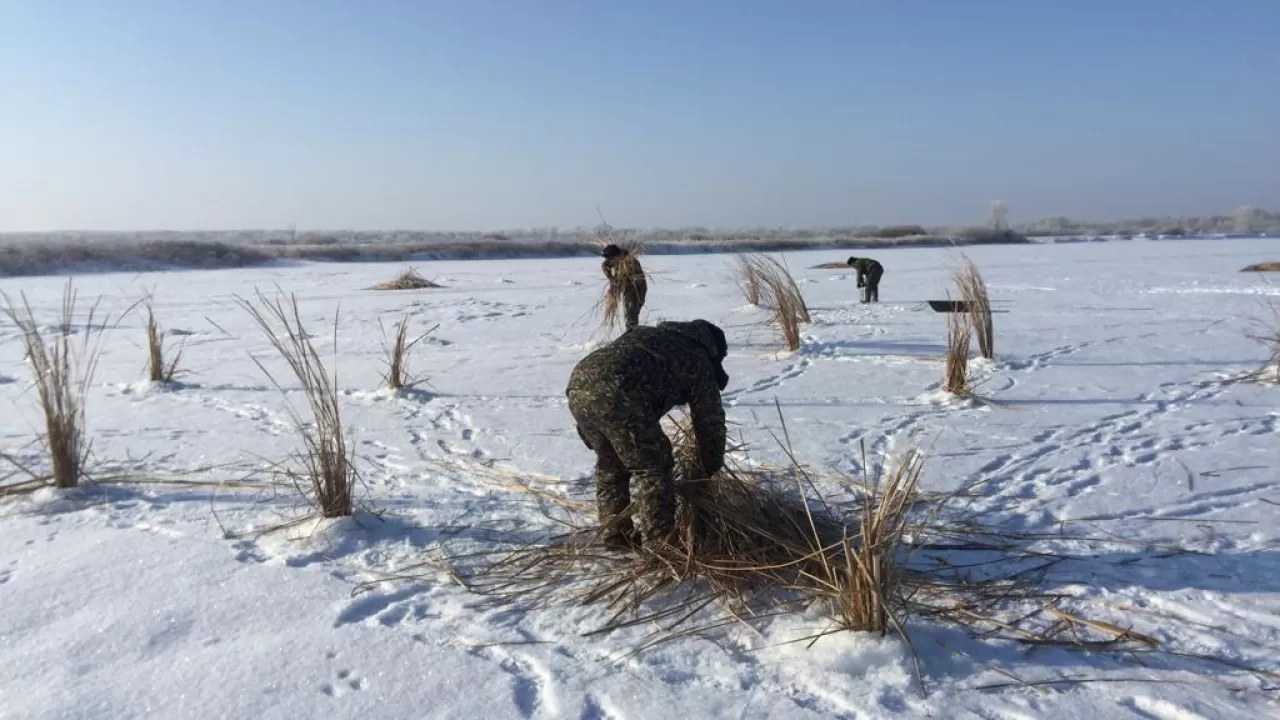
(79, 251)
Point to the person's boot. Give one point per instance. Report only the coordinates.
(622, 535)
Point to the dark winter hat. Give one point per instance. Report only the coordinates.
(611, 251)
(706, 333)
(852, 259)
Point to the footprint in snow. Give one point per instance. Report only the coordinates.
(345, 681)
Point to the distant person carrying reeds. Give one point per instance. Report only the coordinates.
(869, 274)
(618, 396)
(626, 281)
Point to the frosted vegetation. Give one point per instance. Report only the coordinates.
(55, 252)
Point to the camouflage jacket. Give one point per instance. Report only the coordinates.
(639, 377)
(866, 267)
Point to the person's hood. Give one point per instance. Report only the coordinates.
(708, 336)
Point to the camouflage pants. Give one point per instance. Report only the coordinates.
(626, 451)
(871, 287)
(632, 301)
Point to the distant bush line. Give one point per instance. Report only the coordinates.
(27, 255)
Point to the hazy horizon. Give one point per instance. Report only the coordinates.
(145, 115)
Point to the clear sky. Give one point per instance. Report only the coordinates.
(485, 114)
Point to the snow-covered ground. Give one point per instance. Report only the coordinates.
(1113, 414)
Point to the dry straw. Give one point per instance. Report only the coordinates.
(323, 472)
(408, 280)
(764, 279)
(62, 368)
(162, 365)
(396, 375)
(955, 374)
(747, 276)
(752, 541)
(628, 274)
(1262, 267)
(973, 293)
(874, 554)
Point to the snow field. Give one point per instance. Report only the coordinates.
(1113, 411)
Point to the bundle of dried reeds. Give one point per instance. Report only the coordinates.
(628, 278)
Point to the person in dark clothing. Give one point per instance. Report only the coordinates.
(869, 273)
(618, 395)
(626, 278)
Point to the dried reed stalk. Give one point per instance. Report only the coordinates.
(746, 273)
(396, 375)
(955, 378)
(773, 283)
(62, 370)
(159, 370)
(323, 470)
(973, 293)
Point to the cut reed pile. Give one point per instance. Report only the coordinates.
(1262, 267)
(757, 541)
(408, 280)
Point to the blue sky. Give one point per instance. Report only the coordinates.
(482, 114)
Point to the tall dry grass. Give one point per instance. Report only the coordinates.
(955, 377)
(777, 276)
(162, 365)
(396, 374)
(856, 575)
(62, 369)
(323, 472)
(746, 274)
(772, 282)
(866, 590)
(973, 293)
